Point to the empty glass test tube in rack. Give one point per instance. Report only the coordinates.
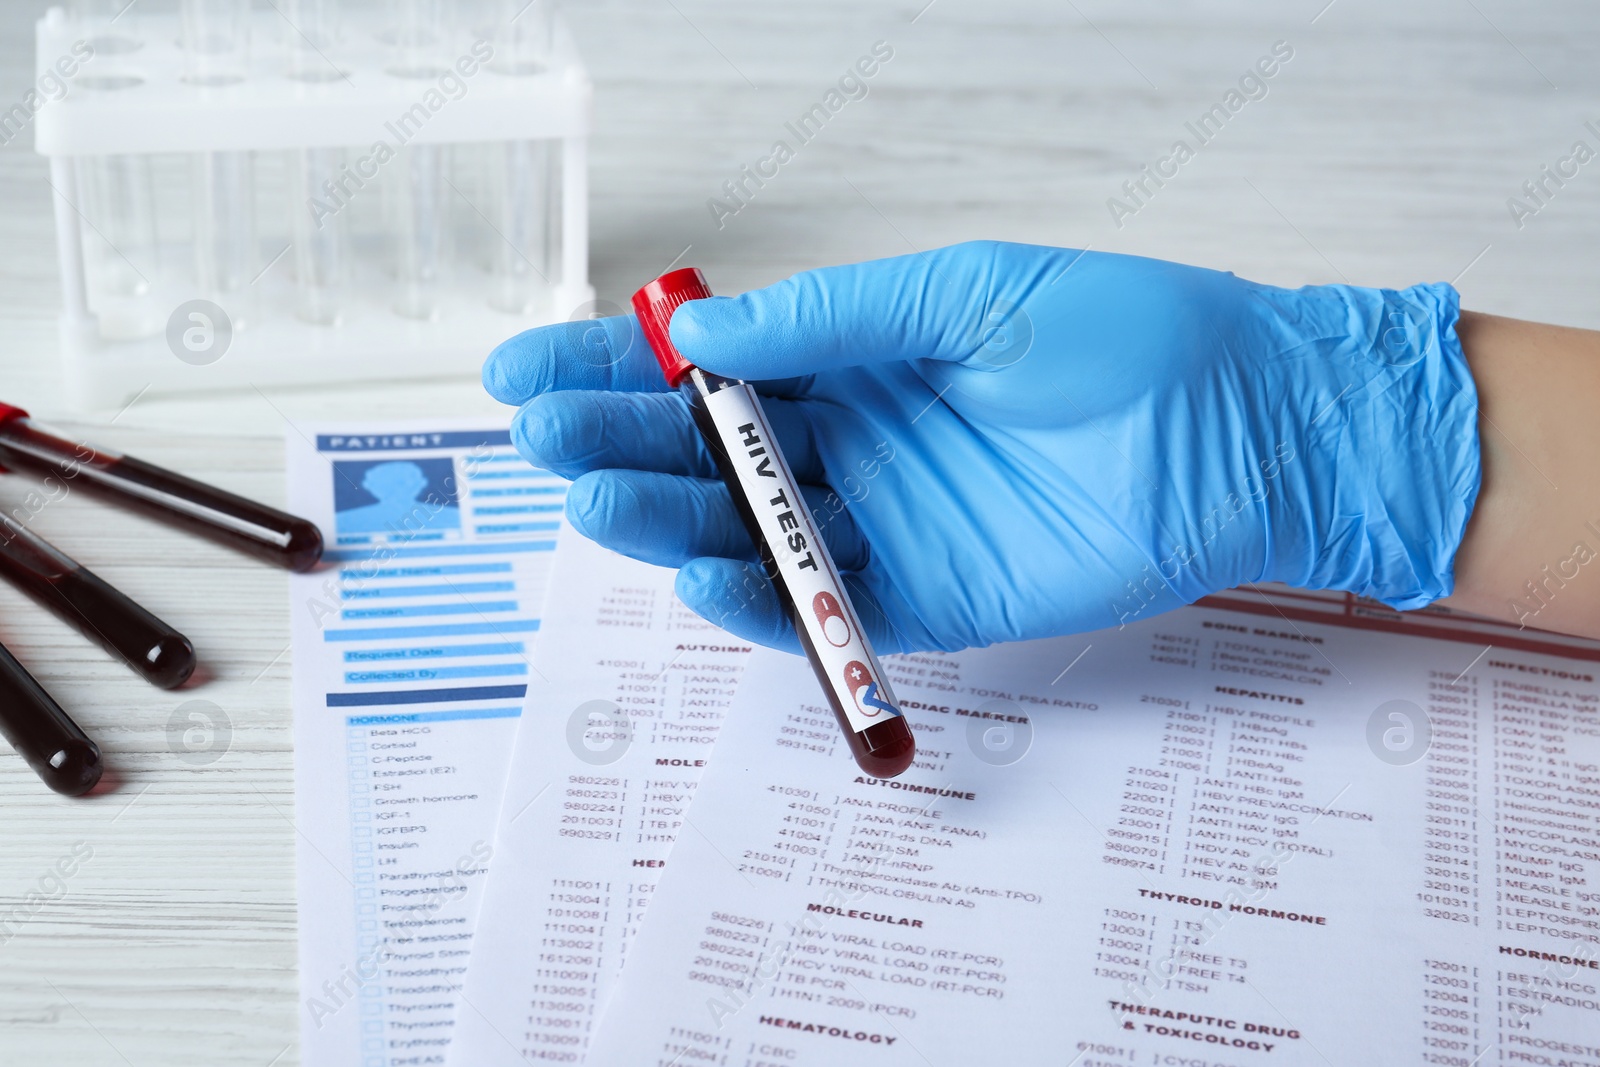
(311, 192)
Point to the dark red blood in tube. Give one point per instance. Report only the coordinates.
(97, 609)
(887, 749)
(266, 533)
(45, 736)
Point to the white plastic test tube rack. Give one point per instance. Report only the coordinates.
(130, 120)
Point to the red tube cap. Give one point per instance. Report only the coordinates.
(655, 304)
(7, 413)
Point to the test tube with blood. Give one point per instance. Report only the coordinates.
(729, 416)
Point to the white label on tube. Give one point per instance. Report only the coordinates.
(807, 570)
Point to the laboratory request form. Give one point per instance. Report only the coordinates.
(1235, 834)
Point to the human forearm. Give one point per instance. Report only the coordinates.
(1531, 553)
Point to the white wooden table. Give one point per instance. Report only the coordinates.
(1383, 154)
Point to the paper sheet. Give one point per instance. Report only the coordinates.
(630, 692)
(1210, 839)
(410, 667)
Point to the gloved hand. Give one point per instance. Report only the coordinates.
(1011, 442)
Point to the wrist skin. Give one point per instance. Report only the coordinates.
(1531, 553)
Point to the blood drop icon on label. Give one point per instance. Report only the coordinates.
(828, 612)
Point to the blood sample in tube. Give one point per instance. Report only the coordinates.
(729, 416)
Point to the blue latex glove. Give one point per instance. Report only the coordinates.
(1012, 442)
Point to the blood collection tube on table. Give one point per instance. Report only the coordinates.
(263, 532)
(98, 610)
(729, 416)
(49, 741)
